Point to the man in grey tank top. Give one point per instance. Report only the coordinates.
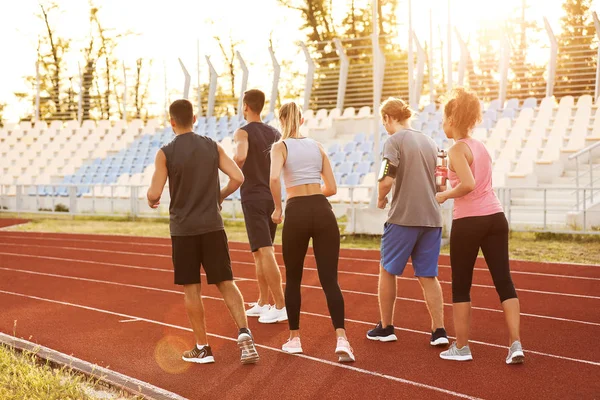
(192, 163)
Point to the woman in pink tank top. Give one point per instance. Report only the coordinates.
(478, 223)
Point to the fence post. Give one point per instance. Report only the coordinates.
(72, 200)
(377, 89)
(577, 181)
(187, 80)
(343, 78)
(418, 82)
(244, 85)
(545, 206)
(212, 89)
(134, 201)
(19, 197)
(310, 73)
(597, 87)
(275, 86)
(553, 59)
(584, 209)
(590, 161)
(504, 64)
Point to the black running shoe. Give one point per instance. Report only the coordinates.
(246, 345)
(200, 356)
(381, 334)
(439, 337)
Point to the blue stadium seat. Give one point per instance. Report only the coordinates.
(530, 102)
(363, 168)
(366, 147)
(509, 113)
(512, 103)
(338, 158)
(491, 114)
(333, 148)
(355, 157)
(350, 147)
(360, 137)
(338, 178)
(345, 168)
(353, 179)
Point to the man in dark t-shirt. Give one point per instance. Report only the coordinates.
(253, 144)
(192, 163)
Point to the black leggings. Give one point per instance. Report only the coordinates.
(309, 217)
(468, 235)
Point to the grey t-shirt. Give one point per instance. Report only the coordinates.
(413, 193)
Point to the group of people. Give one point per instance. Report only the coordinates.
(263, 156)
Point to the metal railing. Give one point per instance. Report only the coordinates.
(541, 209)
(590, 181)
(549, 209)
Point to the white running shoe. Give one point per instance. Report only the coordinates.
(515, 354)
(344, 351)
(456, 354)
(273, 315)
(292, 346)
(256, 310)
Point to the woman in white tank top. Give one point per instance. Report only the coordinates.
(308, 214)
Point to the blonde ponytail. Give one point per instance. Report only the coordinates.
(290, 117)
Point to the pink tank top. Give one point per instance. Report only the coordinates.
(482, 200)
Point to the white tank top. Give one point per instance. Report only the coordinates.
(303, 164)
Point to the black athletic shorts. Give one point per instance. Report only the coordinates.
(209, 250)
(261, 229)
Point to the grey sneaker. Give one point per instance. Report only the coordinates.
(456, 354)
(515, 354)
(246, 345)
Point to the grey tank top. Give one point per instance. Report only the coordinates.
(303, 164)
(193, 170)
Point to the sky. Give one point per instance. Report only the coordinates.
(170, 30)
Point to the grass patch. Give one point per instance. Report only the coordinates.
(528, 246)
(24, 376)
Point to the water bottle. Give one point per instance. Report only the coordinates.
(441, 170)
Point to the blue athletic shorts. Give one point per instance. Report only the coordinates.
(422, 244)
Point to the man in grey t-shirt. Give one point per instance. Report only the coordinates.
(414, 225)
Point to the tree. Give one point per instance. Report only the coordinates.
(526, 78)
(577, 54)
(51, 52)
(140, 88)
(2, 107)
(228, 51)
(321, 30)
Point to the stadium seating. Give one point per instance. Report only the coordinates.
(529, 145)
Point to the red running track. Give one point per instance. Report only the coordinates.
(110, 300)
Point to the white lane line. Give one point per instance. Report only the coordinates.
(304, 286)
(319, 315)
(130, 320)
(147, 244)
(355, 273)
(338, 365)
